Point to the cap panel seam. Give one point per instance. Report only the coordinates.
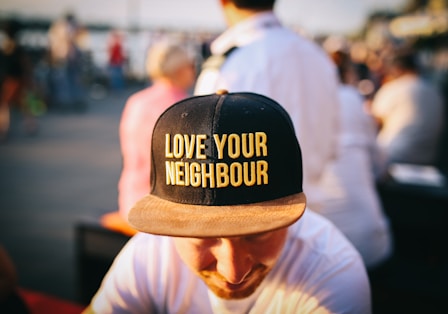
(216, 115)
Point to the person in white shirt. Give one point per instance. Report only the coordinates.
(352, 202)
(170, 67)
(410, 113)
(225, 227)
(258, 54)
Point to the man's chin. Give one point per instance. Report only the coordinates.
(233, 295)
(234, 292)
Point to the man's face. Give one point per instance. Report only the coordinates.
(232, 267)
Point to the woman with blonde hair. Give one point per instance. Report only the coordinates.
(171, 68)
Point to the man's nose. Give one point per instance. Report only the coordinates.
(234, 262)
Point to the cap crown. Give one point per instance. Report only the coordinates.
(236, 148)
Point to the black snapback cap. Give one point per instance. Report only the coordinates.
(226, 164)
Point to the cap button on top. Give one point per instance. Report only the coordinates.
(222, 92)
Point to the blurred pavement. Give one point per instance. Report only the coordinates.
(49, 181)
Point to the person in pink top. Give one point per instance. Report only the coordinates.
(171, 69)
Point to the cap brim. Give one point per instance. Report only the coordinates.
(154, 215)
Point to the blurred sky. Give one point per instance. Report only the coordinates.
(315, 16)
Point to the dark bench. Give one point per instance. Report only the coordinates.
(414, 280)
(96, 248)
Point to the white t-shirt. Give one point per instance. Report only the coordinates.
(276, 62)
(412, 114)
(352, 202)
(319, 271)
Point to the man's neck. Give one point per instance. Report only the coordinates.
(235, 15)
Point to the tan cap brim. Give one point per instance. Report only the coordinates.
(158, 216)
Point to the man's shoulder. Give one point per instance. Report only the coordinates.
(321, 236)
(320, 263)
(284, 47)
(284, 39)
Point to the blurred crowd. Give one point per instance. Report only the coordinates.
(62, 66)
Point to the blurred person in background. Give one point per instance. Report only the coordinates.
(409, 111)
(15, 80)
(171, 69)
(368, 80)
(66, 86)
(352, 202)
(258, 54)
(116, 60)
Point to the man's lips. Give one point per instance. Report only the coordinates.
(234, 287)
(220, 281)
(225, 285)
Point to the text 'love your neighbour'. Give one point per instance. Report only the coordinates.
(216, 174)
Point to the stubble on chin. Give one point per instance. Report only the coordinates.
(256, 277)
